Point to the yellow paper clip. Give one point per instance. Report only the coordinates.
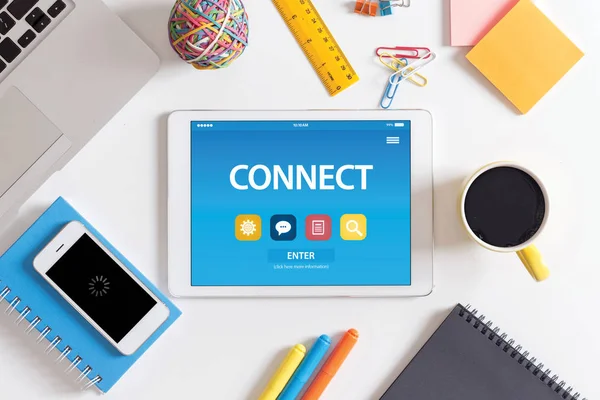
(396, 64)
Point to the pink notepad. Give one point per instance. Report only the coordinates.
(471, 20)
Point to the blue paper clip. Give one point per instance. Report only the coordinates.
(391, 88)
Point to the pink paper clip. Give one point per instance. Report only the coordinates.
(403, 52)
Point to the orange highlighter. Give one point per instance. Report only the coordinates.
(331, 366)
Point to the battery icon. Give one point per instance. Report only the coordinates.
(399, 125)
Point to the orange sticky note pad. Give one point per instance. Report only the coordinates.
(524, 55)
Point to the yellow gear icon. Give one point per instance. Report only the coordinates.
(248, 227)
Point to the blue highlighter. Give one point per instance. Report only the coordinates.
(306, 369)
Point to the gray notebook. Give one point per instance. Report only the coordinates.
(467, 359)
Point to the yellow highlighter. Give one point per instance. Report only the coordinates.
(284, 373)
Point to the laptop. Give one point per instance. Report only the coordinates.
(66, 68)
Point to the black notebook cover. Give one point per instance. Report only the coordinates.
(466, 359)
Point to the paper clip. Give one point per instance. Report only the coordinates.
(398, 63)
(404, 52)
(412, 69)
(366, 7)
(390, 90)
(385, 7)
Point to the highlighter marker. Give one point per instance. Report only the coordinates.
(331, 366)
(284, 373)
(306, 369)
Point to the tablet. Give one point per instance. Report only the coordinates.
(300, 203)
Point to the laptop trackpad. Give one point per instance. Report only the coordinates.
(25, 135)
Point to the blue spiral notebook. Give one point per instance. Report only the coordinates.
(42, 309)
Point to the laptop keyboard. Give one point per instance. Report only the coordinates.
(23, 25)
(19, 8)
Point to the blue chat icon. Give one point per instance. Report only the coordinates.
(283, 227)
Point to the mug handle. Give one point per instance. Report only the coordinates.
(532, 260)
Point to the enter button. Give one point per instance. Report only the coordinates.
(289, 255)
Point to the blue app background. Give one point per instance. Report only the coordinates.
(219, 259)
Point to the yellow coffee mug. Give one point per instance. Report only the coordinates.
(496, 191)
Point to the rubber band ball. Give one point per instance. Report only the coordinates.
(209, 34)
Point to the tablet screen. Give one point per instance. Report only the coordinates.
(300, 203)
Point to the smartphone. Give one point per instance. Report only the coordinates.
(101, 288)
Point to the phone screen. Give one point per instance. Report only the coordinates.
(300, 203)
(101, 288)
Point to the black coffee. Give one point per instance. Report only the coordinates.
(505, 207)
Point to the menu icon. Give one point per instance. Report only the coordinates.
(318, 227)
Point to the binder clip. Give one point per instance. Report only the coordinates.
(385, 6)
(369, 7)
(366, 7)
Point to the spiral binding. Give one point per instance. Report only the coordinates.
(493, 334)
(44, 335)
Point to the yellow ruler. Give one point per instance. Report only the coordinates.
(318, 44)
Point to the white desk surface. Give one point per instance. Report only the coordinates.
(228, 349)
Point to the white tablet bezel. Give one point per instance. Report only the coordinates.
(179, 205)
